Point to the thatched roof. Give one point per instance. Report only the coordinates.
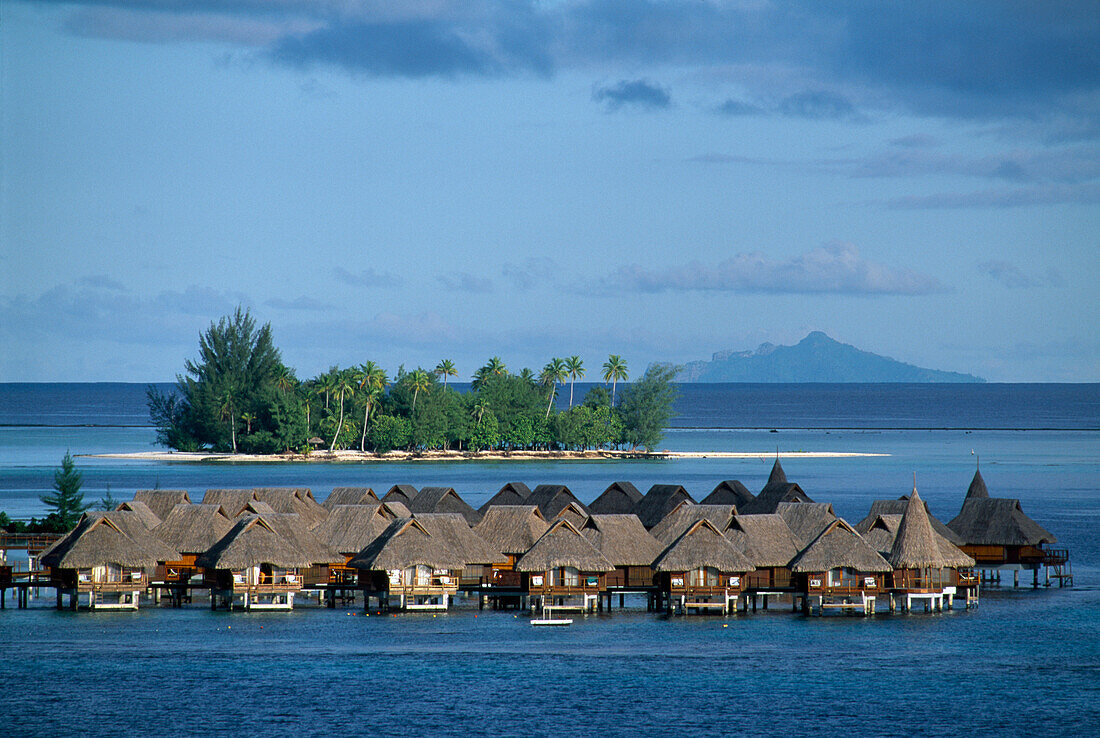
(806, 519)
(702, 545)
(977, 489)
(512, 529)
(551, 499)
(573, 513)
(293, 500)
(253, 507)
(777, 490)
(513, 493)
(443, 500)
(349, 496)
(729, 492)
(839, 545)
(563, 545)
(148, 518)
(994, 521)
(454, 529)
(622, 539)
(102, 538)
(294, 528)
(403, 493)
(161, 501)
(255, 540)
(618, 499)
(916, 545)
(406, 542)
(684, 514)
(880, 531)
(394, 509)
(233, 500)
(897, 507)
(350, 528)
(659, 501)
(766, 540)
(193, 529)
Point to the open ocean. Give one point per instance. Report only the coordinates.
(1026, 662)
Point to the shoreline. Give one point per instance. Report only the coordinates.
(325, 457)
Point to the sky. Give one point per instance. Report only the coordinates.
(660, 179)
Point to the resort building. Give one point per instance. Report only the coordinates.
(161, 501)
(769, 545)
(351, 528)
(618, 499)
(729, 492)
(630, 548)
(776, 490)
(293, 501)
(512, 530)
(659, 501)
(350, 496)
(409, 564)
(686, 513)
(564, 569)
(897, 507)
(927, 567)
(403, 493)
(840, 570)
(478, 557)
(806, 519)
(551, 499)
(191, 530)
(147, 517)
(513, 493)
(443, 500)
(701, 571)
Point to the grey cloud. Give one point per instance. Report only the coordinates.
(368, 277)
(465, 282)
(101, 281)
(638, 93)
(1013, 277)
(736, 108)
(816, 105)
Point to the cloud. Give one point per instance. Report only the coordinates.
(102, 282)
(368, 277)
(639, 93)
(298, 303)
(832, 269)
(816, 105)
(735, 108)
(1013, 277)
(530, 273)
(465, 282)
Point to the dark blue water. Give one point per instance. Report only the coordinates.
(1026, 662)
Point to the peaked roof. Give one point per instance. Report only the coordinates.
(766, 540)
(618, 498)
(253, 507)
(684, 514)
(880, 531)
(293, 500)
(622, 539)
(193, 529)
(551, 499)
(403, 493)
(806, 519)
(102, 538)
(513, 493)
(574, 513)
(406, 542)
(233, 500)
(659, 501)
(776, 490)
(512, 529)
(350, 528)
(349, 496)
(728, 492)
(443, 500)
(149, 518)
(916, 545)
(563, 545)
(702, 545)
(977, 489)
(839, 545)
(254, 540)
(456, 532)
(294, 529)
(777, 475)
(897, 507)
(994, 521)
(161, 501)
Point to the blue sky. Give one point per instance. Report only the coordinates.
(458, 180)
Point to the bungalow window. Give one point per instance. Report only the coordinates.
(570, 576)
(419, 575)
(844, 577)
(114, 572)
(706, 576)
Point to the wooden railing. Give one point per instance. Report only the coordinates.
(1055, 556)
(34, 543)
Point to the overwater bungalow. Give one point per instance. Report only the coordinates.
(147, 517)
(770, 545)
(840, 570)
(897, 507)
(191, 530)
(350, 496)
(408, 563)
(630, 548)
(477, 555)
(776, 490)
(321, 556)
(659, 501)
(729, 492)
(351, 528)
(161, 501)
(564, 569)
(512, 530)
(293, 501)
(618, 499)
(686, 513)
(806, 519)
(701, 570)
(927, 567)
(513, 493)
(443, 500)
(106, 559)
(551, 499)
(403, 493)
(574, 513)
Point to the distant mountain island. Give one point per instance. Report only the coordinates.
(816, 358)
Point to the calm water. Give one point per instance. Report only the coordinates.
(1026, 662)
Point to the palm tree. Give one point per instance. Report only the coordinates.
(479, 378)
(528, 376)
(419, 380)
(371, 380)
(284, 380)
(446, 368)
(496, 367)
(575, 367)
(248, 418)
(478, 410)
(553, 373)
(614, 369)
(343, 385)
(226, 410)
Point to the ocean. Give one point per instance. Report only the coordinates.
(1025, 662)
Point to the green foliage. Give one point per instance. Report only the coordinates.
(646, 406)
(598, 396)
(107, 501)
(66, 501)
(388, 432)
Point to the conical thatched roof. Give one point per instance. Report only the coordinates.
(573, 513)
(659, 501)
(161, 501)
(349, 496)
(995, 521)
(148, 518)
(102, 538)
(618, 499)
(233, 500)
(897, 507)
(512, 529)
(702, 545)
(443, 500)
(192, 529)
(293, 501)
(350, 528)
(777, 475)
(551, 499)
(407, 542)
(729, 492)
(403, 493)
(622, 539)
(977, 489)
(806, 519)
(454, 529)
(839, 545)
(917, 546)
(766, 540)
(254, 540)
(563, 545)
(684, 514)
(513, 493)
(777, 490)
